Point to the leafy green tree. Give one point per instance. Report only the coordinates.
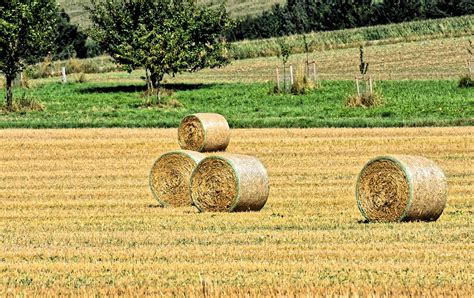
(27, 31)
(70, 41)
(396, 11)
(163, 36)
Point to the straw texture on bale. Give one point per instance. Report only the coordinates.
(204, 132)
(170, 176)
(230, 183)
(401, 188)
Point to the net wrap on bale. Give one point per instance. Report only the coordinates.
(401, 188)
(204, 132)
(230, 183)
(170, 176)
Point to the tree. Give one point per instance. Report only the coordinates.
(70, 41)
(397, 11)
(449, 8)
(27, 31)
(163, 36)
(284, 54)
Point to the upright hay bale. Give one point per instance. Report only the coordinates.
(230, 182)
(170, 176)
(204, 132)
(401, 188)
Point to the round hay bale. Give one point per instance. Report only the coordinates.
(204, 132)
(230, 182)
(401, 188)
(170, 176)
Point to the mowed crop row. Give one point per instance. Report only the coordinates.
(351, 38)
(427, 59)
(76, 217)
(431, 59)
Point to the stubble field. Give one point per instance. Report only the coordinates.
(76, 217)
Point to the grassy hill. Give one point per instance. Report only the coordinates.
(236, 7)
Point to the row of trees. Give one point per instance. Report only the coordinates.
(161, 36)
(301, 16)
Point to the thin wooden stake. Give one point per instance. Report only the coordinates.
(278, 79)
(291, 75)
(63, 75)
(357, 86)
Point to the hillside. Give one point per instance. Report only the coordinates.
(236, 7)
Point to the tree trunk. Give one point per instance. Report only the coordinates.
(9, 95)
(149, 85)
(156, 82)
(158, 96)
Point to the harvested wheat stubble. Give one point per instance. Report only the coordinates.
(230, 182)
(204, 132)
(170, 176)
(401, 188)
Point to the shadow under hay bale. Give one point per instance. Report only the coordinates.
(170, 175)
(401, 188)
(230, 183)
(204, 132)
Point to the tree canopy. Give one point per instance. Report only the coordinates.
(301, 16)
(163, 36)
(27, 32)
(70, 41)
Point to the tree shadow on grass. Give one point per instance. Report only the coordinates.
(142, 88)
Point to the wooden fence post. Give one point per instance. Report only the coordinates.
(291, 75)
(22, 79)
(357, 86)
(278, 79)
(63, 75)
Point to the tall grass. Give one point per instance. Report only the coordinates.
(49, 68)
(382, 34)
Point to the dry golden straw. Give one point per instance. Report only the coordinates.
(204, 132)
(170, 176)
(401, 188)
(230, 182)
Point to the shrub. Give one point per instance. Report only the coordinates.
(82, 78)
(302, 85)
(25, 103)
(365, 100)
(47, 68)
(24, 80)
(466, 81)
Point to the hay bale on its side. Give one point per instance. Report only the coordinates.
(401, 188)
(204, 132)
(170, 176)
(230, 182)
